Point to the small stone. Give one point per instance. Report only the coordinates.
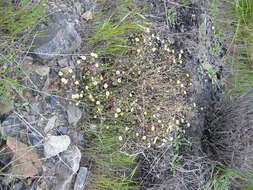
(33, 139)
(41, 70)
(55, 145)
(19, 186)
(63, 62)
(11, 126)
(87, 15)
(77, 137)
(63, 130)
(74, 115)
(51, 124)
(81, 179)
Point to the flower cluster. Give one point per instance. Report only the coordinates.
(145, 92)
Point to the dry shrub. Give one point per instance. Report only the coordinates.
(228, 139)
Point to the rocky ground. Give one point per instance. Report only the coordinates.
(43, 143)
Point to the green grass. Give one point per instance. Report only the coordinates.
(114, 169)
(17, 21)
(242, 58)
(111, 32)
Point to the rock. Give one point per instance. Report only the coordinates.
(76, 137)
(58, 40)
(6, 108)
(63, 62)
(64, 174)
(87, 15)
(50, 124)
(52, 101)
(41, 70)
(81, 179)
(11, 126)
(26, 162)
(34, 140)
(19, 186)
(63, 130)
(74, 115)
(5, 157)
(55, 145)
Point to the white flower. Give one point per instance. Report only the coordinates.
(126, 129)
(77, 83)
(95, 83)
(64, 81)
(105, 86)
(94, 55)
(152, 128)
(137, 39)
(98, 102)
(86, 87)
(153, 49)
(60, 73)
(116, 115)
(107, 93)
(118, 110)
(83, 57)
(119, 80)
(144, 138)
(137, 134)
(97, 65)
(117, 72)
(120, 138)
(70, 70)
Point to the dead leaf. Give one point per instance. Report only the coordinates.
(87, 15)
(6, 108)
(25, 162)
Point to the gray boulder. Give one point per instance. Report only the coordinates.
(58, 39)
(67, 168)
(81, 179)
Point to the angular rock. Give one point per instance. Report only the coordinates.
(41, 70)
(11, 126)
(76, 137)
(26, 162)
(63, 130)
(63, 62)
(50, 124)
(65, 171)
(81, 179)
(55, 145)
(74, 115)
(57, 40)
